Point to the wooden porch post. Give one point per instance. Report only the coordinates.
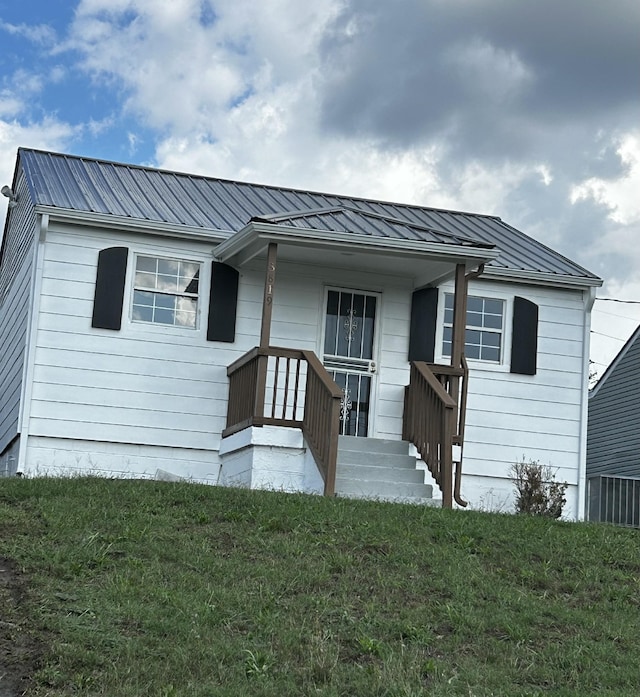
(450, 427)
(459, 317)
(267, 300)
(265, 329)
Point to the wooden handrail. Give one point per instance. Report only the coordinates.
(328, 382)
(299, 394)
(435, 384)
(321, 424)
(452, 382)
(429, 423)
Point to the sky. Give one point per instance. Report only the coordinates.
(526, 110)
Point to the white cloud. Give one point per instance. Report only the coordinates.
(184, 75)
(621, 195)
(36, 33)
(10, 104)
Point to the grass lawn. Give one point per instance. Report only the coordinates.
(126, 588)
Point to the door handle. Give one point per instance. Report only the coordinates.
(373, 368)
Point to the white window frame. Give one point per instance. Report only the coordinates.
(505, 344)
(133, 287)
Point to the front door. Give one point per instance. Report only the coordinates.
(348, 355)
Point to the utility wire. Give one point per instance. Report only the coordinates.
(616, 300)
(608, 336)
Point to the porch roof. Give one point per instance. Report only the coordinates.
(425, 261)
(190, 204)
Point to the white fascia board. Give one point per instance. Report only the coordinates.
(540, 278)
(256, 232)
(114, 222)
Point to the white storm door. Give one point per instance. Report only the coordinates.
(348, 355)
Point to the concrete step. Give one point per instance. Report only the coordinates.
(412, 500)
(377, 445)
(387, 491)
(380, 473)
(375, 468)
(376, 459)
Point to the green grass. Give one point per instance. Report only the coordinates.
(146, 588)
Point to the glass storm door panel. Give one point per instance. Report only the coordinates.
(348, 355)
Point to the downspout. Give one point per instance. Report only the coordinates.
(35, 292)
(589, 298)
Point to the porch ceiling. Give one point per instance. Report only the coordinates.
(424, 261)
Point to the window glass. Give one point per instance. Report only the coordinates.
(484, 322)
(166, 291)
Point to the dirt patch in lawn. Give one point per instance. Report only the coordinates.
(20, 651)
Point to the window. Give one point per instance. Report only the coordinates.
(166, 291)
(483, 335)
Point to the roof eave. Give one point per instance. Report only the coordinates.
(126, 224)
(253, 238)
(541, 278)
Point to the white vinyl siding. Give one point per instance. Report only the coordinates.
(15, 303)
(146, 385)
(511, 417)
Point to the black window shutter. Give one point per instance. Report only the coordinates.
(223, 301)
(109, 290)
(422, 332)
(524, 343)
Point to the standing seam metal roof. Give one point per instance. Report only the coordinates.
(99, 186)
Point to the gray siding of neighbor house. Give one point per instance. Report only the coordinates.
(15, 291)
(613, 440)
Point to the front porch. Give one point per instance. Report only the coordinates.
(287, 390)
(296, 390)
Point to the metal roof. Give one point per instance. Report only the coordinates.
(351, 220)
(129, 191)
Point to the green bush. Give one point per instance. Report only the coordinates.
(538, 491)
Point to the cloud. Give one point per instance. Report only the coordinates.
(419, 70)
(514, 109)
(181, 73)
(41, 34)
(621, 196)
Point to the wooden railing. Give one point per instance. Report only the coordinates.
(321, 423)
(434, 421)
(455, 381)
(287, 387)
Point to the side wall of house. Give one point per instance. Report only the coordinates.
(15, 299)
(613, 442)
(513, 417)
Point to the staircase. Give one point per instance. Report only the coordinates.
(373, 468)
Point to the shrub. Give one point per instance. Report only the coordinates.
(538, 491)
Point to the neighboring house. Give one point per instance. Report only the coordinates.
(163, 324)
(613, 440)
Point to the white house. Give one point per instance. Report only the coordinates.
(163, 324)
